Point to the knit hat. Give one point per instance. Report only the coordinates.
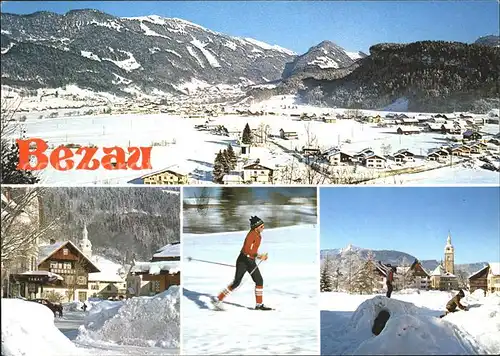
(255, 221)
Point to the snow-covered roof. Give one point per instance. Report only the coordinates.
(439, 271)
(476, 273)
(495, 268)
(172, 267)
(110, 271)
(45, 251)
(51, 275)
(170, 250)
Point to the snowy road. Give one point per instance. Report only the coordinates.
(70, 323)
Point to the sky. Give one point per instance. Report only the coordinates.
(299, 25)
(413, 220)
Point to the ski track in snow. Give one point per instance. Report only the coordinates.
(290, 286)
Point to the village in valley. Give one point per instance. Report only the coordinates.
(369, 276)
(204, 140)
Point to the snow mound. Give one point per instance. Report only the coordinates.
(28, 330)
(141, 321)
(72, 306)
(100, 314)
(409, 330)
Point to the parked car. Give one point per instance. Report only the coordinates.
(56, 308)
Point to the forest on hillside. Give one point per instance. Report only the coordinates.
(121, 221)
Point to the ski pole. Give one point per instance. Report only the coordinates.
(205, 261)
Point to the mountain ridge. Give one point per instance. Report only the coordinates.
(393, 257)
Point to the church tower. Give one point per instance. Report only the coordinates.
(85, 245)
(449, 256)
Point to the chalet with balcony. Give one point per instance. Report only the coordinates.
(437, 154)
(337, 157)
(257, 173)
(418, 277)
(403, 155)
(65, 259)
(158, 274)
(375, 161)
(166, 176)
(361, 155)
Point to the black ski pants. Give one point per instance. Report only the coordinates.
(245, 264)
(389, 290)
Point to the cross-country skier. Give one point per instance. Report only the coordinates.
(246, 263)
(389, 279)
(454, 302)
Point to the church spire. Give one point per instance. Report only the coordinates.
(85, 244)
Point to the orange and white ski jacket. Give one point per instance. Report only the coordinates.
(251, 244)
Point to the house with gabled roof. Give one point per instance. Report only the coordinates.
(443, 280)
(257, 173)
(158, 274)
(493, 278)
(166, 176)
(479, 279)
(375, 161)
(65, 259)
(403, 155)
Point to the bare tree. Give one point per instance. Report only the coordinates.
(404, 277)
(202, 200)
(386, 149)
(463, 280)
(9, 131)
(353, 113)
(313, 173)
(21, 226)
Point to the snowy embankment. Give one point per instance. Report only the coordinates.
(140, 321)
(414, 326)
(290, 286)
(28, 330)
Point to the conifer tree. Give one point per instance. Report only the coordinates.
(246, 137)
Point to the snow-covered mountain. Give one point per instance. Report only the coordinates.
(355, 255)
(491, 40)
(325, 55)
(101, 52)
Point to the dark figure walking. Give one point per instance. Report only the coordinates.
(389, 280)
(246, 263)
(454, 302)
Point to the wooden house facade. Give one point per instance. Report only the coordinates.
(69, 262)
(479, 280)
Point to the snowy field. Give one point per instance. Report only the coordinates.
(137, 326)
(186, 150)
(414, 326)
(290, 286)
